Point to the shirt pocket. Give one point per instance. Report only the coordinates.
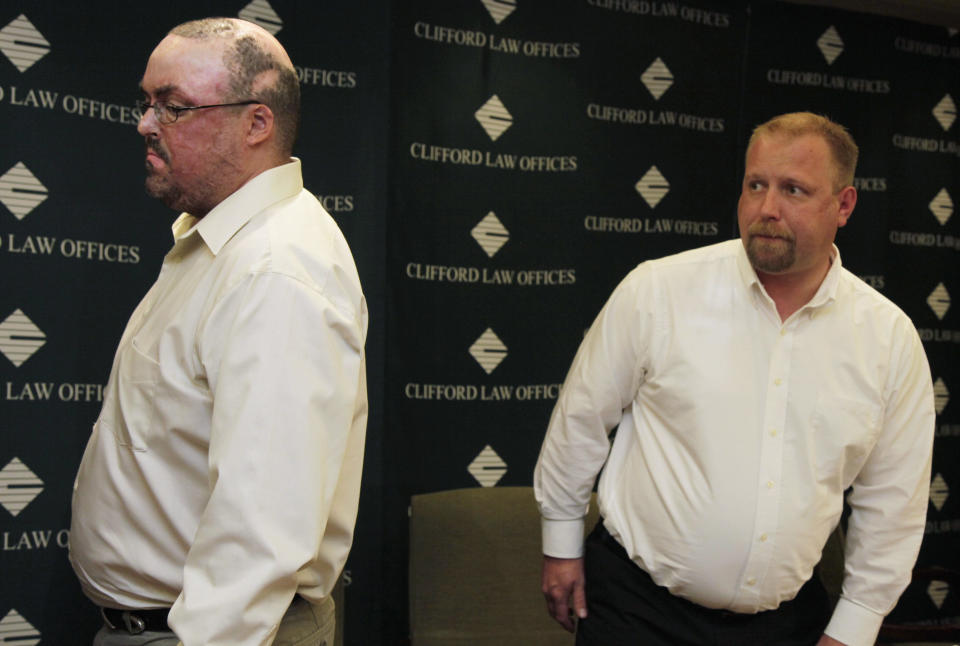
(138, 378)
(845, 430)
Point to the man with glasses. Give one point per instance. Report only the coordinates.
(217, 495)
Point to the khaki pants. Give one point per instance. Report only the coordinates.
(303, 625)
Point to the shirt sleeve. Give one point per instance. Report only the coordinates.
(602, 381)
(284, 362)
(889, 499)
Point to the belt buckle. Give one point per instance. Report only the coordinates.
(134, 624)
(131, 622)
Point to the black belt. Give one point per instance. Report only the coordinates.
(136, 621)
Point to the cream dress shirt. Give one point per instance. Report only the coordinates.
(738, 435)
(223, 472)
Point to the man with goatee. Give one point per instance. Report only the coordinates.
(752, 382)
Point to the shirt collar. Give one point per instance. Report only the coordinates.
(831, 282)
(228, 217)
(826, 293)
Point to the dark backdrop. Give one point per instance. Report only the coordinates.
(497, 166)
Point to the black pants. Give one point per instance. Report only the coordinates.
(626, 608)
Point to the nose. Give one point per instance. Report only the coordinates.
(148, 122)
(769, 205)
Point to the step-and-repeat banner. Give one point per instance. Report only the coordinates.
(540, 150)
(497, 166)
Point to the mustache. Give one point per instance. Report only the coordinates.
(770, 231)
(154, 145)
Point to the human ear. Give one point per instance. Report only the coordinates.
(846, 200)
(261, 124)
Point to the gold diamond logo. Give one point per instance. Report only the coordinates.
(945, 112)
(490, 234)
(494, 118)
(488, 350)
(18, 486)
(261, 13)
(21, 191)
(22, 43)
(939, 492)
(830, 44)
(938, 591)
(653, 186)
(500, 9)
(14, 629)
(20, 338)
(939, 301)
(487, 468)
(657, 78)
(942, 206)
(941, 396)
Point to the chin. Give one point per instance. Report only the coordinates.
(770, 264)
(170, 197)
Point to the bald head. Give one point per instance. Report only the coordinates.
(259, 69)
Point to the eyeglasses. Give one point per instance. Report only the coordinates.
(167, 114)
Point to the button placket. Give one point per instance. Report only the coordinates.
(771, 463)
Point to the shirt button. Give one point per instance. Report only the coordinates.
(763, 538)
(773, 432)
(777, 381)
(751, 581)
(783, 332)
(769, 484)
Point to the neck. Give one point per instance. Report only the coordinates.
(791, 291)
(244, 175)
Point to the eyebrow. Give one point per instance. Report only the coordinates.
(791, 179)
(161, 91)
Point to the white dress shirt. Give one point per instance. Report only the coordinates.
(223, 473)
(739, 433)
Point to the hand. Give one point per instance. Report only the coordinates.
(829, 641)
(562, 586)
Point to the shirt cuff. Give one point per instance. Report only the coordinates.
(853, 624)
(562, 539)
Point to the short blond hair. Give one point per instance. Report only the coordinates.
(842, 147)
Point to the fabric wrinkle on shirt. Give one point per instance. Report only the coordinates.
(739, 433)
(222, 475)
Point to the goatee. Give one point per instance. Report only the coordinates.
(770, 256)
